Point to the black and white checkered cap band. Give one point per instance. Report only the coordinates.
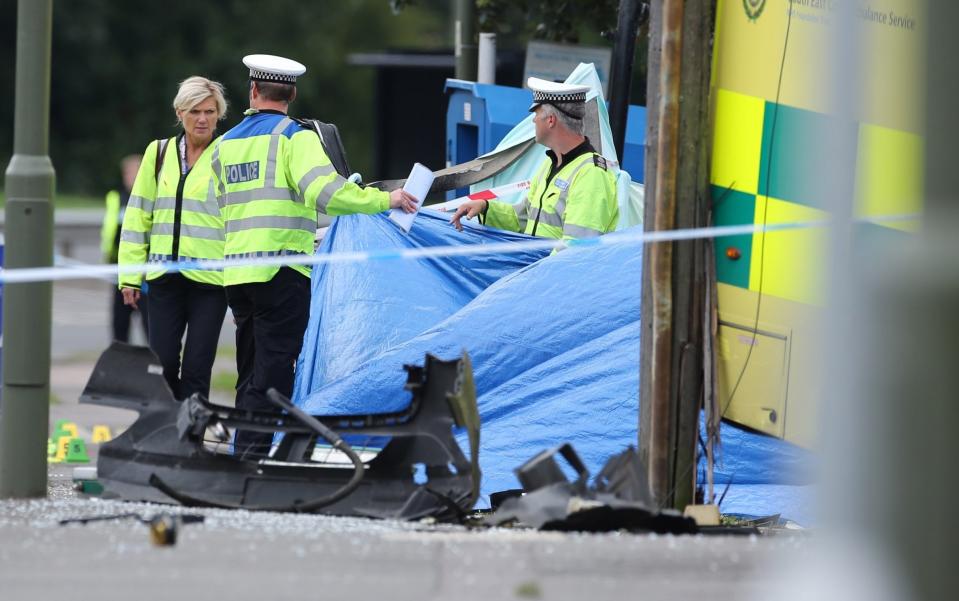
(257, 75)
(549, 98)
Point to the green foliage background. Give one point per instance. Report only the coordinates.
(117, 63)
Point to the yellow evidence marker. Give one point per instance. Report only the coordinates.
(101, 434)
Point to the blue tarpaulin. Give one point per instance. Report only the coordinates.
(554, 341)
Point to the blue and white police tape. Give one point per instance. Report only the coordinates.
(86, 271)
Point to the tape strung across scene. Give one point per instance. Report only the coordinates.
(86, 271)
(490, 194)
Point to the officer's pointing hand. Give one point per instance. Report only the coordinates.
(401, 199)
(470, 208)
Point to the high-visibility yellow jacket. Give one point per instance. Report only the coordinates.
(271, 177)
(112, 218)
(172, 217)
(577, 201)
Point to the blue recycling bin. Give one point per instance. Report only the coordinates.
(479, 116)
(634, 146)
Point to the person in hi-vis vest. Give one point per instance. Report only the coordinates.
(573, 195)
(173, 217)
(271, 176)
(116, 206)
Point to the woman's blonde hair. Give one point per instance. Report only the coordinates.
(196, 89)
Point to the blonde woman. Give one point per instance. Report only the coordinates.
(173, 217)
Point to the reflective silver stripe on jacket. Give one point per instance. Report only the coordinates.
(545, 217)
(202, 232)
(139, 202)
(243, 196)
(332, 187)
(215, 164)
(311, 176)
(194, 206)
(264, 253)
(274, 222)
(190, 231)
(134, 237)
(269, 180)
(521, 209)
(164, 203)
(579, 231)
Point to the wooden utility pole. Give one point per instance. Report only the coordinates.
(674, 280)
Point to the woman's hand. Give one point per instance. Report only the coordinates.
(130, 297)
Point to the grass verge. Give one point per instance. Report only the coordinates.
(70, 201)
(223, 381)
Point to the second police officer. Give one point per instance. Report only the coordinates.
(272, 176)
(573, 195)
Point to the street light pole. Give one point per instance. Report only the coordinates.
(464, 34)
(628, 19)
(25, 405)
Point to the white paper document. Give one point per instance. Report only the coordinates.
(418, 184)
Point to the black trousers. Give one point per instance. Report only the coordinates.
(178, 304)
(271, 318)
(123, 315)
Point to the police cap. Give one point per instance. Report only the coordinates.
(266, 67)
(568, 98)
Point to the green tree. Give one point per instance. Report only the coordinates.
(116, 67)
(591, 22)
(566, 21)
(117, 64)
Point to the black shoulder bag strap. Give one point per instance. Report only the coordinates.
(332, 144)
(161, 153)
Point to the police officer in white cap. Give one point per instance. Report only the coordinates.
(271, 176)
(573, 195)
